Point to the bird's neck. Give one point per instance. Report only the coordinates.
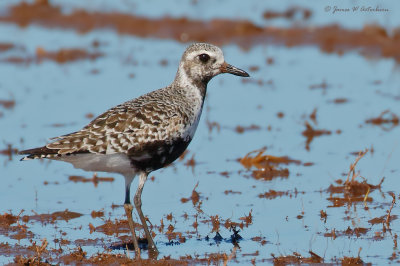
(183, 80)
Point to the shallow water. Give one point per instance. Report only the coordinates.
(52, 99)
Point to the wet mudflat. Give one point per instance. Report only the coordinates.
(297, 164)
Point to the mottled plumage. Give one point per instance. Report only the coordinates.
(142, 129)
(146, 133)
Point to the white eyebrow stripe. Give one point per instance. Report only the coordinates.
(199, 52)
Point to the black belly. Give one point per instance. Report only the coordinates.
(155, 155)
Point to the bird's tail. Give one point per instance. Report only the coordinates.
(38, 153)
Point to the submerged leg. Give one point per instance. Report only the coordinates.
(128, 210)
(153, 252)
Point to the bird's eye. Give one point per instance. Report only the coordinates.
(204, 58)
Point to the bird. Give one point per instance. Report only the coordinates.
(144, 134)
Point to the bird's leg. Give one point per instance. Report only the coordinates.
(153, 252)
(128, 210)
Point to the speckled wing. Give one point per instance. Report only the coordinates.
(133, 124)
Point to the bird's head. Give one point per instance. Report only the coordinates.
(202, 61)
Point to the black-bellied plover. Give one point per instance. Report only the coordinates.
(146, 133)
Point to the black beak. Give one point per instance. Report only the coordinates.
(227, 68)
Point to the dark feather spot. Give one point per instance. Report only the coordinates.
(156, 154)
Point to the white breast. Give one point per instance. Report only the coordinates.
(197, 107)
